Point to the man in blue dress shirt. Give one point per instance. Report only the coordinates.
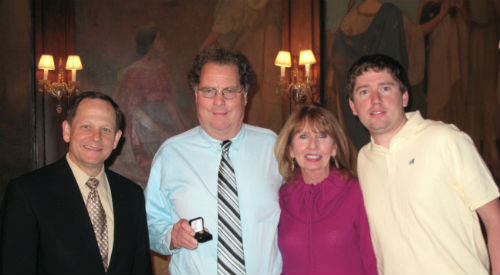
(184, 174)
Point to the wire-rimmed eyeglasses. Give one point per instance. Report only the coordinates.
(227, 93)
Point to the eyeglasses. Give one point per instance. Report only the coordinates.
(227, 93)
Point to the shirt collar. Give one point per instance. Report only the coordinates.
(236, 141)
(408, 130)
(82, 177)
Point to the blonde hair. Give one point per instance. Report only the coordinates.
(323, 121)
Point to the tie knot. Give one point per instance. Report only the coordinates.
(92, 183)
(225, 146)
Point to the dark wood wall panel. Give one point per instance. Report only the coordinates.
(55, 35)
(16, 91)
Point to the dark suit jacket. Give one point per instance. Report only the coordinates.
(45, 227)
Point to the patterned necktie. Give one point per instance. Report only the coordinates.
(230, 258)
(98, 219)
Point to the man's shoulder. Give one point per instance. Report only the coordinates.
(36, 183)
(42, 174)
(438, 129)
(428, 130)
(123, 182)
(259, 132)
(183, 137)
(179, 140)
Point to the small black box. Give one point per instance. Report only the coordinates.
(198, 225)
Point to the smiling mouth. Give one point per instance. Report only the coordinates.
(377, 113)
(91, 148)
(313, 157)
(219, 113)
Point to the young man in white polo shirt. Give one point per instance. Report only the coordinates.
(423, 182)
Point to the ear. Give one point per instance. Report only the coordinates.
(334, 149)
(66, 131)
(245, 98)
(118, 135)
(353, 107)
(196, 96)
(406, 97)
(290, 151)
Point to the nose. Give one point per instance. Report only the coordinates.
(312, 143)
(219, 98)
(96, 135)
(375, 97)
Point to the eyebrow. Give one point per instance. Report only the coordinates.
(391, 83)
(213, 87)
(362, 86)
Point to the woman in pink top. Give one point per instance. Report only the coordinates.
(323, 227)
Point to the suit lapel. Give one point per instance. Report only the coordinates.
(66, 188)
(116, 196)
(64, 184)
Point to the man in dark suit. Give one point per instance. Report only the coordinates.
(76, 216)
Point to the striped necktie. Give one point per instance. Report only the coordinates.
(98, 219)
(230, 258)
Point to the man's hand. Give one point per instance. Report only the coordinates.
(182, 236)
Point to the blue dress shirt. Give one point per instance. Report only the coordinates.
(183, 184)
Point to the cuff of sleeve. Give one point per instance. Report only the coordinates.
(476, 205)
(167, 241)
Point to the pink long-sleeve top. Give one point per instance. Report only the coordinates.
(323, 228)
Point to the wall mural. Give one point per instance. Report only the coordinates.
(449, 47)
(139, 52)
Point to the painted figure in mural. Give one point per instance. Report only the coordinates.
(75, 216)
(148, 102)
(192, 170)
(376, 27)
(483, 102)
(462, 72)
(253, 27)
(323, 227)
(447, 61)
(423, 181)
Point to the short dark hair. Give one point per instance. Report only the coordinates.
(377, 63)
(73, 107)
(222, 56)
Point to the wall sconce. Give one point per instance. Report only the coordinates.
(283, 60)
(307, 58)
(300, 91)
(59, 88)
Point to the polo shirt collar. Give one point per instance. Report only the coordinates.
(414, 119)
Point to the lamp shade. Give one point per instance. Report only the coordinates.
(306, 57)
(74, 63)
(283, 59)
(46, 62)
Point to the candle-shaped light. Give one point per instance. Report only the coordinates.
(306, 58)
(46, 63)
(283, 60)
(73, 63)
